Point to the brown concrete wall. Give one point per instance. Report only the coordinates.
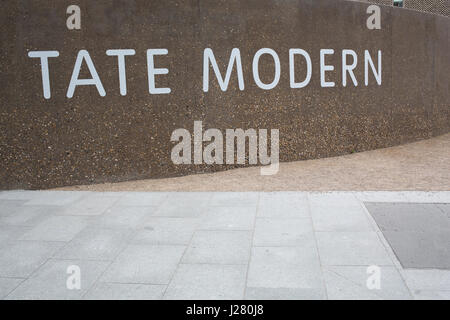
(89, 138)
(384, 2)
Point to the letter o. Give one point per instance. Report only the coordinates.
(276, 59)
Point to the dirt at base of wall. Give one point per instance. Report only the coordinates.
(423, 165)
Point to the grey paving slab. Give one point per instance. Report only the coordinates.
(56, 228)
(438, 280)
(351, 248)
(283, 232)
(445, 208)
(418, 233)
(428, 197)
(421, 249)
(8, 234)
(342, 199)
(142, 199)
(431, 295)
(91, 204)
(416, 217)
(19, 195)
(184, 205)
(206, 281)
(29, 215)
(284, 293)
(8, 207)
(284, 267)
(331, 216)
(146, 264)
(203, 242)
(228, 218)
(177, 210)
(7, 285)
(350, 283)
(56, 198)
(95, 244)
(19, 259)
(124, 217)
(50, 281)
(222, 247)
(188, 198)
(161, 230)
(125, 291)
(228, 199)
(283, 205)
(382, 196)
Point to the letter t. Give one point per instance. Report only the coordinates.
(44, 55)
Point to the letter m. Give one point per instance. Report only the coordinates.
(208, 56)
(240, 136)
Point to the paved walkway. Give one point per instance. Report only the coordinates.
(212, 245)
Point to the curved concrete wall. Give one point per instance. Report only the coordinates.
(92, 138)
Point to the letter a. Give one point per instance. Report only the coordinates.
(374, 20)
(74, 81)
(74, 20)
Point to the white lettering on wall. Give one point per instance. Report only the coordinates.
(44, 55)
(95, 80)
(368, 60)
(152, 71)
(324, 68)
(121, 53)
(208, 56)
(349, 61)
(349, 68)
(304, 83)
(276, 77)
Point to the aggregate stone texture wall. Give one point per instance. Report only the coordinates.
(91, 139)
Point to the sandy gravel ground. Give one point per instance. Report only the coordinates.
(423, 165)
